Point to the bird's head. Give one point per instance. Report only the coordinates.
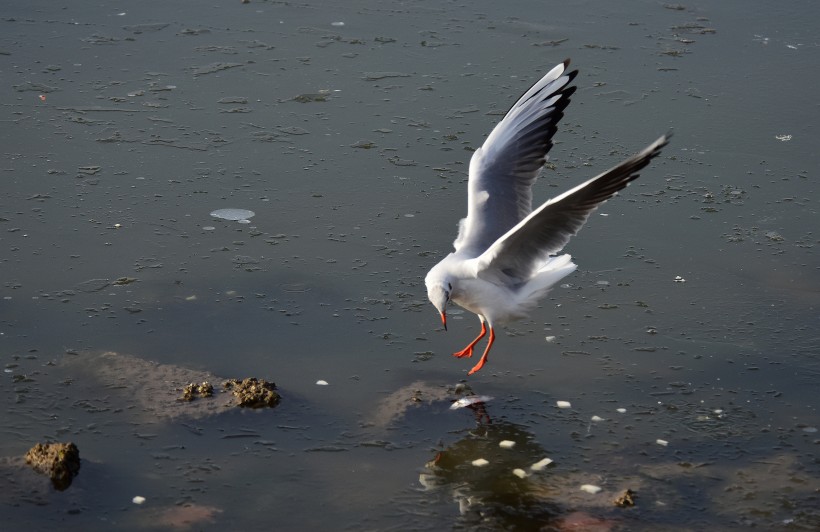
(438, 292)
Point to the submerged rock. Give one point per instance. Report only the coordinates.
(60, 461)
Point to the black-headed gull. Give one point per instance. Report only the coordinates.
(506, 254)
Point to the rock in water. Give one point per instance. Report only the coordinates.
(60, 461)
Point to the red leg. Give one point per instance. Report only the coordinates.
(468, 351)
(483, 359)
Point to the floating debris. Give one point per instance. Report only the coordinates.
(321, 96)
(375, 76)
(541, 464)
(662, 442)
(625, 500)
(253, 393)
(139, 499)
(60, 461)
(591, 488)
(234, 215)
(469, 401)
(193, 391)
(596, 419)
(520, 473)
(549, 339)
(322, 383)
(621, 410)
(506, 444)
(480, 462)
(783, 138)
(563, 404)
(679, 279)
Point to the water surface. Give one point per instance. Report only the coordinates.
(348, 130)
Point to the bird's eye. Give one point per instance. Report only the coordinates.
(450, 286)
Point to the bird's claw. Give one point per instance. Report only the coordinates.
(466, 352)
(477, 366)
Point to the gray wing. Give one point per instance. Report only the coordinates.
(518, 254)
(503, 170)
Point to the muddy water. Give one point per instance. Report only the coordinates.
(686, 343)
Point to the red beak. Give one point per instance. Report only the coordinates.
(444, 320)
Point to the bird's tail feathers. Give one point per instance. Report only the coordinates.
(547, 276)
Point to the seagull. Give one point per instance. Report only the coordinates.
(507, 255)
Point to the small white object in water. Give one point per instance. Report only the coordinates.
(563, 404)
(783, 138)
(591, 488)
(520, 473)
(139, 499)
(621, 410)
(679, 279)
(506, 444)
(480, 462)
(596, 419)
(235, 215)
(662, 442)
(541, 464)
(337, 24)
(321, 383)
(549, 339)
(470, 400)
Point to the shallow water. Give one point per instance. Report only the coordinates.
(126, 125)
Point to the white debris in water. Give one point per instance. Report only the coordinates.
(520, 473)
(549, 339)
(591, 488)
(506, 444)
(596, 419)
(470, 400)
(810, 429)
(679, 279)
(209, 228)
(783, 138)
(139, 499)
(662, 442)
(480, 462)
(563, 404)
(235, 215)
(337, 24)
(621, 410)
(321, 383)
(541, 464)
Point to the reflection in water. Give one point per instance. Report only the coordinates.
(496, 474)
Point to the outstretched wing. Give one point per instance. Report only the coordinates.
(518, 254)
(503, 170)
